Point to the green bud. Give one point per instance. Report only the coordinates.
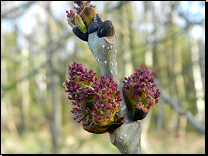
(87, 15)
(80, 24)
(70, 23)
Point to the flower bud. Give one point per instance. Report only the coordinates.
(80, 24)
(71, 18)
(80, 18)
(140, 94)
(97, 102)
(106, 29)
(108, 102)
(87, 15)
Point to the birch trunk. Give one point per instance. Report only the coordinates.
(197, 80)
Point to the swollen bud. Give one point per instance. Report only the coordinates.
(80, 18)
(96, 102)
(105, 29)
(140, 94)
(87, 15)
(80, 24)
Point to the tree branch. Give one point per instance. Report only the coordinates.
(16, 11)
(127, 137)
(117, 7)
(176, 106)
(54, 48)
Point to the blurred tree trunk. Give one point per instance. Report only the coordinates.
(55, 125)
(6, 105)
(197, 79)
(148, 55)
(25, 85)
(162, 55)
(42, 73)
(179, 81)
(125, 14)
(168, 56)
(151, 57)
(132, 33)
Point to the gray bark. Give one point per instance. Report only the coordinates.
(127, 137)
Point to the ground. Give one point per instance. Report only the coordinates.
(83, 142)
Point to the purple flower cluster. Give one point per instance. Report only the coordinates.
(106, 102)
(80, 5)
(142, 90)
(71, 18)
(95, 101)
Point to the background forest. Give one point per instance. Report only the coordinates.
(37, 45)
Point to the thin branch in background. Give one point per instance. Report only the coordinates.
(107, 11)
(16, 11)
(186, 69)
(116, 7)
(160, 117)
(55, 46)
(175, 105)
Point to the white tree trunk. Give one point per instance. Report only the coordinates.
(197, 80)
